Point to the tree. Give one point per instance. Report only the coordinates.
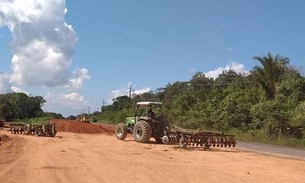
(5, 108)
(71, 117)
(269, 73)
(120, 102)
(20, 106)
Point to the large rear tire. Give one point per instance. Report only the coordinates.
(121, 131)
(142, 131)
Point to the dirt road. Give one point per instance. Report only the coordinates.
(81, 158)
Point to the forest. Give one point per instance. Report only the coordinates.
(21, 107)
(268, 102)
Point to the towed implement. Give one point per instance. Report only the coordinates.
(39, 129)
(199, 139)
(144, 127)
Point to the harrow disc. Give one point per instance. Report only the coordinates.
(165, 139)
(182, 143)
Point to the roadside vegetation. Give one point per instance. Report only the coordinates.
(19, 107)
(266, 105)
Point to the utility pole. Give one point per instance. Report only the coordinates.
(103, 105)
(129, 95)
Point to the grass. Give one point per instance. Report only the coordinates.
(35, 120)
(262, 137)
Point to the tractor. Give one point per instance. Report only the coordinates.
(146, 124)
(148, 121)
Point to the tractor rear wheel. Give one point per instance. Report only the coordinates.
(121, 131)
(142, 131)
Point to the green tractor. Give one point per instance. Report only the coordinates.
(148, 121)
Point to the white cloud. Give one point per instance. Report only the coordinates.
(117, 93)
(120, 92)
(43, 43)
(125, 91)
(5, 85)
(145, 90)
(66, 104)
(237, 67)
(66, 99)
(79, 76)
(19, 90)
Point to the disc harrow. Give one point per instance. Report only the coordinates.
(39, 129)
(199, 139)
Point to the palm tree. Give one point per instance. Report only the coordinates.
(269, 73)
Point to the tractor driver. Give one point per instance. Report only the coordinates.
(150, 113)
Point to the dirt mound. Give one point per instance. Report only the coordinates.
(4, 138)
(81, 127)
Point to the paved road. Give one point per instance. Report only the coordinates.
(271, 149)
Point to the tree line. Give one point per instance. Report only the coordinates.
(270, 98)
(20, 106)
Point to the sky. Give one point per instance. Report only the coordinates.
(77, 54)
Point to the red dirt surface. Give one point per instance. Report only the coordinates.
(93, 154)
(63, 125)
(101, 158)
(3, 138)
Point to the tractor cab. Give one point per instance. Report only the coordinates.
(148, 110)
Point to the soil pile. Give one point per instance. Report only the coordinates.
(3, 138)
(74, 126)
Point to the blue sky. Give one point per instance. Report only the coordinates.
(145, 43)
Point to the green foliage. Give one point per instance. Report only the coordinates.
(269, 74)
(298, 117)
(20, 106)
(71, 117)
(42, 119)
(271, 114)
(53, 115)
(268, 104)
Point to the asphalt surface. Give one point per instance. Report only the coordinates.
(271, 149)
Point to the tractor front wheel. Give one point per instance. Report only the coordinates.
(121, 131)
(142, 131)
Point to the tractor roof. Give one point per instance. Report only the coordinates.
(147, 103)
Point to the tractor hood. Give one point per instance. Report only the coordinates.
(130, 120)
